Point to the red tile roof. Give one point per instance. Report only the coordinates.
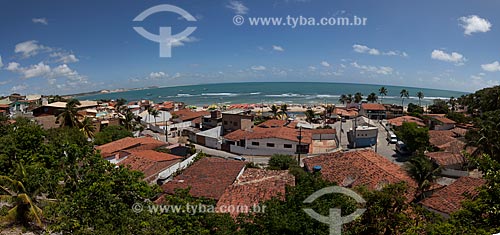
(346, 112)
(446, 158)
(150, 162)
(448, 199)
(188, 114)
(363, 167)
(441, 138)
(285, 133)
(142, 143)
(373, 106)
(444, 120)
(273, 123)
(209, 177)
(253, 187)
(400, 120)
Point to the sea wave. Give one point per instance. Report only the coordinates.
(328, 96)
(287, 95)
(219, 94)
(255, 93)
(184, 95)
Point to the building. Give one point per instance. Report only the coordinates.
(264, 140)
(398, 121)
(212, 120)
(253, 187)
(236, 120)
(393, 110)
(363, 135)
(187, 115)
(4, 109)
(373, 111)
(208, 177)
(113, 151)
(149, 162)
(449, 199)
(360, 168)
(440, 122)
(57, 107)
(211, 138)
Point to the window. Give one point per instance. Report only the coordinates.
(225, 122)
(270, 145)
(235, 124)
(255, 143)
(288, 146)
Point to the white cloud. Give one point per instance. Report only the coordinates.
(43, 21)
(18, 88)
(258, 68)
(237, 7)
(64, 57)
(157, 75)
(1, 63)
(474, 24)
(454, 57)
(374, 69)
(493, 67)
(65, 71)
(12, 66)
(37, 70)
(364, 49)
(278, 48)
(30, 48)
(325, 64)
(177, 43)
(312, 68)
(373, 51)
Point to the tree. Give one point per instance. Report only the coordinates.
(423, 171)
(128, 120)
(111, 133)
(343, 99)
(358, 97)
(155, 113)
(119, 104)
(274, 111)
(382, 92)
(23, 210)
(281, 162)
(404, 94)
(420, 96)
(87, 127)
(439, 106)
(414, 109)
(310, 115)
(372, 97)
(284, 109)
(415, 137)
(69, 116)
(453, 103)
(486, 137)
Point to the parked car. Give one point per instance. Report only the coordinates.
(401, 148)
(391, 137)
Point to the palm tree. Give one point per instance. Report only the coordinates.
(358, 97)
(343, 99)
(119, 103)
(372, 97)
(69, 116)
(274, 111)
(382, 92)
(420, 96)
(423, 171)
(309, 115)
(349, 98)
(453, 103)
(404, 94)
(87, 127)
(155, 113)
(128, 120)
(23, 208)
(284, 109)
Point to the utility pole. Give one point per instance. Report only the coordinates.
(166, 127)
(299, 148)
(340, 131)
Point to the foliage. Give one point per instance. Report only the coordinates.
(487, 134)
(310, 115)
(372, 97)
(110, 134)
(458, 117)
(423, 171)
(404, 94)
(415, 109)
(69, 117)
(281, 162)
(415, 137)
(439, 106)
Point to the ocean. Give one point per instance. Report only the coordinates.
(306, 93)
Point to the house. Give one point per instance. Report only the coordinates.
(263, 140)
(346, 113)
(253, 187)
(373, 111)
(211, 138)
(393, 110)
(439, 122)
(149, 162)
(208, 177)
(364, 134)
(187, 115)
(57, 107)
(4, 109)
(449, 199)
(212, 120)
(236, 120)
(447, 160)
(442, 139)
(112, 150)
(360, 168)
(398, 121)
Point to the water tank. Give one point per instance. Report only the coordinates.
(316, 168)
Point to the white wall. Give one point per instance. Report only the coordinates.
(174, 168)
(262, 149)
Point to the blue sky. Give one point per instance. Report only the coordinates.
(63, 47)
